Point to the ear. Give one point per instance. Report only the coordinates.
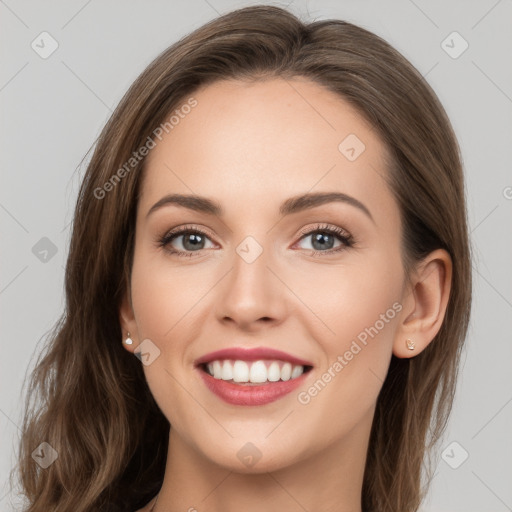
(128, 323)
(424, 304)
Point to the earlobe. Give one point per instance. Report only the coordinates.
(425, 304)
(127, 323)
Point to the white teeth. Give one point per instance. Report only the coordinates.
(240, 371)
(286, 371)
(227, 371)
(254, 371)
(217, 370)
(258, 372)
(274, 372)
(297, 371)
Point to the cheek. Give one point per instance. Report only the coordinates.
(363, 301)
(165, 305)
(164, 297)
(358, 306)
(349, 298)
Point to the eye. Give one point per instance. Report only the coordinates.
(323, 239)
(185, 241)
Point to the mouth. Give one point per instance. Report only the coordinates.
(253, 373)
(251, 376)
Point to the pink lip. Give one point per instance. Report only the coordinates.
(250, 354)
(239, 394)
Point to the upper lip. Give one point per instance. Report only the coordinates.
(250, 354)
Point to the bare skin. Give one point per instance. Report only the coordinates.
(250, 147)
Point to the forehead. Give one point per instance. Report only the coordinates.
(249, 144)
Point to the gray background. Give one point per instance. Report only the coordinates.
(53, 110)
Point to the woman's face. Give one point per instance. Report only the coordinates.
(320, 281)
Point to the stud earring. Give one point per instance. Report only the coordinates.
(410, 344)
(128, 340)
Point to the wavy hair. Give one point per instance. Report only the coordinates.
(88, 397)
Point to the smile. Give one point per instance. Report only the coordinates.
(253, 379)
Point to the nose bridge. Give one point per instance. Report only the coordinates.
(251, 291)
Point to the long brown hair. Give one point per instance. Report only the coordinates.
(88, 397)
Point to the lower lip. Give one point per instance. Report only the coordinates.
(240, 394)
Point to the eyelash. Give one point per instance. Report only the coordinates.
(345, 237)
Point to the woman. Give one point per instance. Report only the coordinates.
(268, 285)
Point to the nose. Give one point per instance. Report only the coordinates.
(252, 296)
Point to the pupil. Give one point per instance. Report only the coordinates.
(195, 240)
(319, 237)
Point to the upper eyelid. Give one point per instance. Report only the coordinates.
(180, 231)
(322, 226)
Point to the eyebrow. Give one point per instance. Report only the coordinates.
(292, 205)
